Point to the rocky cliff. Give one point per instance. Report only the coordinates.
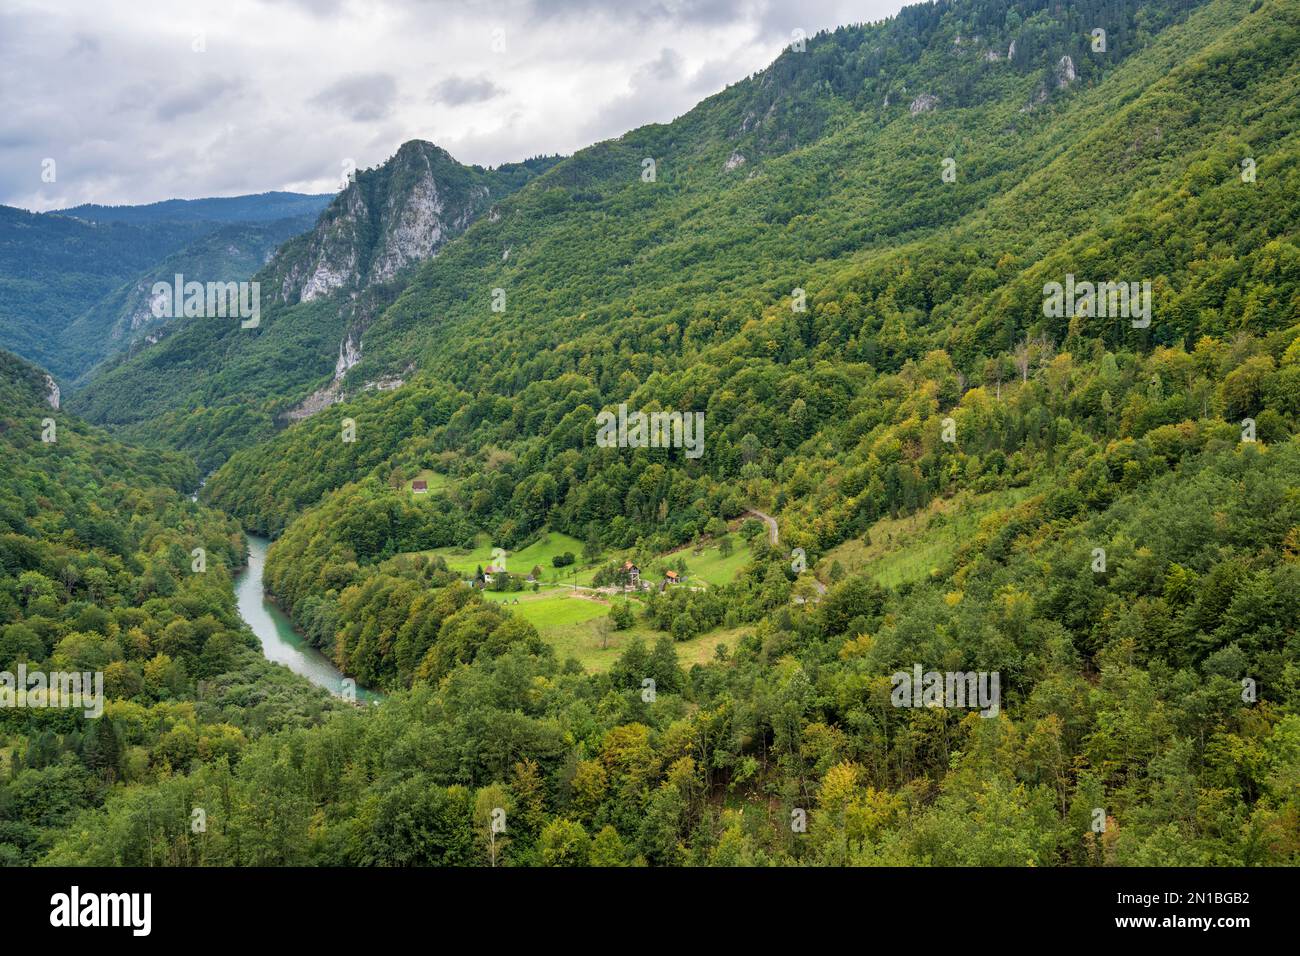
(386, 219)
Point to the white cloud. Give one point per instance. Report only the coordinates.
(139, 101)
(457, 91)
(362, 98)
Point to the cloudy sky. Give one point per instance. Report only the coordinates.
(141, 100)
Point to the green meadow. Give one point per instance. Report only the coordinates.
(580, 628)
(540, 552)
(911, 548)
(709, 566)
(436, 480)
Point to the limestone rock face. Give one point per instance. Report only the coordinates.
(1065, 74)
(370, 240)
(349, 355)
(923, 104)
(385, 220)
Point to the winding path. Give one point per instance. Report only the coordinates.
(773, 536)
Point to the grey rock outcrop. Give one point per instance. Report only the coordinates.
(923, 104)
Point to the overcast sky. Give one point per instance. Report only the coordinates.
(141, 100)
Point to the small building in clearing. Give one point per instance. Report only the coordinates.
(419, 487)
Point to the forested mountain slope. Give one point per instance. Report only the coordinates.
(53, 268)
(841, 184)
(673, 268)
(124, 320)
(263, 207)
(1181, 218)
(72, 279)
(211, 386)
(1131, 562)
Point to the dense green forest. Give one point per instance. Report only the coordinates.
(97, 574)
(1104, 513)
(53, 268)
(123, 320)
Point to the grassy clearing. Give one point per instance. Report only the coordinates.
(577, 627)
(539, 552)
(912, 547)
(710, 566)
(437, 481)
(550, 608)
(702, 649)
